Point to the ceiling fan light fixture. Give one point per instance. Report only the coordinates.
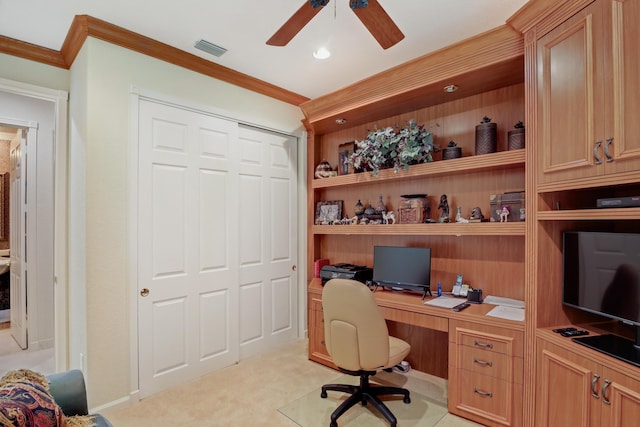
(322, 53)
(450, 88)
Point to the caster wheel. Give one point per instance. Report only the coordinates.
(323, 394)
(407, 399)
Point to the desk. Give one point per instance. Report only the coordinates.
(482, 356)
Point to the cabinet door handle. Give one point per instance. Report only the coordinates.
(483, 393)
(482, 362)
(481, 344)
(596, 156)
(606, 150)
(606, 385)
(594, 390)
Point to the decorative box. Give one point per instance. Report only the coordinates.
(414, 209)
(514, 200)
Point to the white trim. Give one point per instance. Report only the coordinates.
(133, 244)
(200, 108)
(60, 100)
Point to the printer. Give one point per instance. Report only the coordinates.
(346, 271)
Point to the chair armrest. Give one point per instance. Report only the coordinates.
(69, 392)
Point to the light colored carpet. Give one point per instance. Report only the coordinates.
(313, 411)
(250, 393)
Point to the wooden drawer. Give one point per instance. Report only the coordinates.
(485, 362)
(489, 398)
(485, 341)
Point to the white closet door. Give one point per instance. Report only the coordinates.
(268, 240)
(188, 271)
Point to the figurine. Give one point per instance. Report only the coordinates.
(388, 216)
(459, 218)
(444, 205)
(476, 213)
(504, 213)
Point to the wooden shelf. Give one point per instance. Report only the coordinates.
(485, 162)
(590, 214)
(450, 229)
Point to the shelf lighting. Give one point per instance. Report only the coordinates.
(341, 121)
(450, 88)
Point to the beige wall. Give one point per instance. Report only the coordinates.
(100, 151)
(101, 284)
(22, 70)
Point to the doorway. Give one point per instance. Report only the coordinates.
(37, 117)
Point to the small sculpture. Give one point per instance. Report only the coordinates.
(504, 213)
(459, 218)
(388, 216)
(476, 213)
(444, 206)
(324, 170)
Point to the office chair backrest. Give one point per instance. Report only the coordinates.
(356, 333)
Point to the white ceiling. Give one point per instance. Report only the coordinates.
(243, 26)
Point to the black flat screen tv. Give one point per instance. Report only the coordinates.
(601, 275)
(402, 267)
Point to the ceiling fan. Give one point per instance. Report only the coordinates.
(370, 13)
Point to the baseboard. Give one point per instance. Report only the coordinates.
(123, 402)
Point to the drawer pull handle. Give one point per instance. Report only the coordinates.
(483, 393)
(596, 155)
(481, 344)
(594, 390)
(482, 362)
(606, 150)
(606, 385)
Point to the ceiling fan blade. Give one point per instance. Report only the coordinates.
(379, 24)
(293, 26)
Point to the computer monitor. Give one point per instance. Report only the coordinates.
(402, 267)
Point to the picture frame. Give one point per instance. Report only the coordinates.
(344, 153)
(328, 211)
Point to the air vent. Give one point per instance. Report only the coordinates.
(210, 48)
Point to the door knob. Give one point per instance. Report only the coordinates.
(144, 292)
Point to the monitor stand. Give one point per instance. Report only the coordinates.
(424, 289)
(613, 345)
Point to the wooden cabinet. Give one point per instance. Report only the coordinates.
(317, 348)
(486, 374)
(574, 390)
(582, 101)
(587, 98)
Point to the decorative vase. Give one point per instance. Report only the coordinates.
(359, 208)
(381, 206)
(515, 137)
(486, 137)
(451, 153)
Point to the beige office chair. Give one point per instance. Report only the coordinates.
(358, 340)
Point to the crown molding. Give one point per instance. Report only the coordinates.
(84, 26)
(31, 52)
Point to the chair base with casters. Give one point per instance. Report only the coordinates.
(363, 394)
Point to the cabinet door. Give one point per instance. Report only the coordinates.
(564, 388)
(317, 349)
(570, 65)
(620, 397)
(622, 145)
